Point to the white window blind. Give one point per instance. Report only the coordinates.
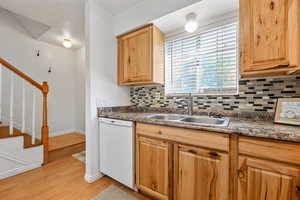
(204, 63)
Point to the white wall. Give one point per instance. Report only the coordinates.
(101, 78)
(19, 49)
(80, 90)
(145, 12)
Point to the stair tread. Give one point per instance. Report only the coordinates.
(4, 133)
(64, 141)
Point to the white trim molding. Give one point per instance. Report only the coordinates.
(90, 178)
(80, 131)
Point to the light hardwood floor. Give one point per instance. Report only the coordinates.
(59, 180)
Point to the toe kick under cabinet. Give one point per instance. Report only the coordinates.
(185, 164)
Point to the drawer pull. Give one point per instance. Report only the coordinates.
(192, 151)
(129, 60)
(272, 5)
(212, 153)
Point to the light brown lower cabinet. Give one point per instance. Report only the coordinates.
(154, 167)
(200, 174)
(260, 179)
(184, 164)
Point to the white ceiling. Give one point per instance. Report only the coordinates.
(34, 28)
(118, 6)
(206, 11)
(64, 17)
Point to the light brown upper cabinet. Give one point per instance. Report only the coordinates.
(269, 37)
(141, 57)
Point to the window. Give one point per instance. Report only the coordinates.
(204, 63)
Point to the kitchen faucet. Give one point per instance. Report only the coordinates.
(190, 104)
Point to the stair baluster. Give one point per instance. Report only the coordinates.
(33, 118)
(11, 107)
(0, 92)
(23, 107)
(44, 89)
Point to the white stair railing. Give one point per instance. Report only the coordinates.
(11, 121)
(12, 94)
(33, 118)
(11, 106)
(23, 107)
(0, 92)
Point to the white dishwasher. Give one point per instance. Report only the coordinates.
(117, 150)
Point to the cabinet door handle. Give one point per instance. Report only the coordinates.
(129, 60)
(212, 153)
(298, 188)
(242, 176)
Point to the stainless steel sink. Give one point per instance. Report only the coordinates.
(193, 120)
(167, 117)
(206, 121)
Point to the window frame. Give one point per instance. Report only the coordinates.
(223, 20)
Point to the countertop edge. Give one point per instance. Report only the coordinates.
(236, 127)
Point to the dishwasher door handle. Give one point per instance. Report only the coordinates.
(116, 122)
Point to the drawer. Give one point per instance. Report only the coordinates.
(185, 136)
(273, 150)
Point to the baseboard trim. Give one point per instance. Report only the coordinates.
(92, 178)
(80, 131)
(19, 170)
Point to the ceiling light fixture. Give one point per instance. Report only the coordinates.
(67, 43)
(191, 23)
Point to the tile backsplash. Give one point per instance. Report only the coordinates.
(255, 95)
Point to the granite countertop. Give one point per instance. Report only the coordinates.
(242, 127)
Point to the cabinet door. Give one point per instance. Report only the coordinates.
(264, 34)
(201, 174)
(136, 60)
(260, 179)
(154, 167)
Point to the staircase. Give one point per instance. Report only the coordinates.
(23, 142)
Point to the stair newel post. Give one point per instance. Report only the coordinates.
(45, 128)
